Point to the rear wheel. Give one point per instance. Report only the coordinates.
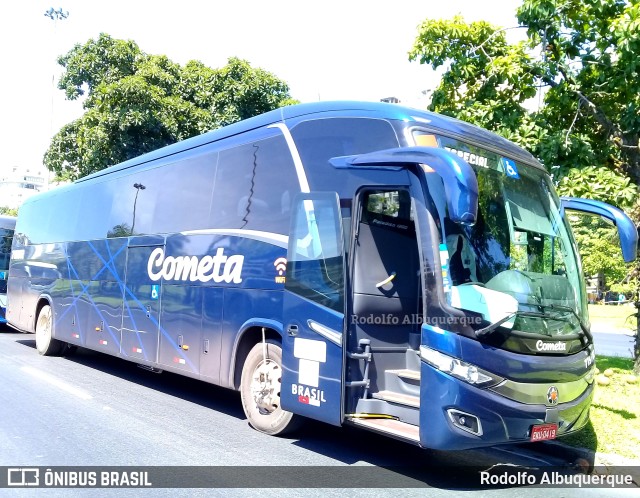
(260, 390)
(45, 343)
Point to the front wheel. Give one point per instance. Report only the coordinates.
(260, 390)
(45, 343)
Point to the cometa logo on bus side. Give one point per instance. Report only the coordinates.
(219, 268)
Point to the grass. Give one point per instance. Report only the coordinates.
(613, 316)
(614, 425)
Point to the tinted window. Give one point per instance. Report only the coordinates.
(255, 184)
(134, 200)
(52, 218)
(25, 225)
(93, 221)
(315, 269)
(171, 198)
(6, 238)
(321, 139)
(185, 201)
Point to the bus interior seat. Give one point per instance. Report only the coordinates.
(386, 245)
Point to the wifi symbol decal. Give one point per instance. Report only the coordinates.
(281, 265)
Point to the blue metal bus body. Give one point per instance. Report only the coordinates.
(355, 263)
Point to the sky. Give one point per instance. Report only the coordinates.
(325, 50)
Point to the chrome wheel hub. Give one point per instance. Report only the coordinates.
(265, 386)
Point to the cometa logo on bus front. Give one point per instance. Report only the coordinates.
(219, 268)
(551, 346)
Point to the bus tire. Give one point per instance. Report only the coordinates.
(45, 343)
(260, 391)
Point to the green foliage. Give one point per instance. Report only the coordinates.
(600, 251)
(138, 102)
(8, 211)
(614, 418)
(628, 289)
(601, 184)
(486, 81)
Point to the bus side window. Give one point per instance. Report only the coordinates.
(259, 180)
(191, 186)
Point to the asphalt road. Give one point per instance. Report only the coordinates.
(95, 410)
(613, 343)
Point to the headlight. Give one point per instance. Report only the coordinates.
(459, 369)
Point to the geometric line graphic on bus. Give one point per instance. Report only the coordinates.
(84, 291)
(108, 265)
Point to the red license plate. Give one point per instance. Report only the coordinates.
(543, 432)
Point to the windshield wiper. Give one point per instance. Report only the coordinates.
(557, 307)
(490, 328)
(494, 326)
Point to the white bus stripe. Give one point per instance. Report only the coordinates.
(272, 238)
(302, 176)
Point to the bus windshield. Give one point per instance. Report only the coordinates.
(517, 264)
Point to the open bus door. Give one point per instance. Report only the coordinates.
(408, 414)
(313, 310)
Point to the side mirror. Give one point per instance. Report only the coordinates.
(460, 181)
(627, 230)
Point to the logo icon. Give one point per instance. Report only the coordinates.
(510, 168)
(281, 267)
(23, 476)
(552, 395)
(155, 292)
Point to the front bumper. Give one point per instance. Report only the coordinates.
(500, 420)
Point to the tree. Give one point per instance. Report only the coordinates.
(580, 54)
(136, 102)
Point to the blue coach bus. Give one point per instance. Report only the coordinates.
(7, 225)
(354, 263)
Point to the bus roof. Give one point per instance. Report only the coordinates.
(437, 122)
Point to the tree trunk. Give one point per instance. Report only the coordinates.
(631, 155)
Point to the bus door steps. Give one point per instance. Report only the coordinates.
(402, 381)
(398, 398)
(406, 374)
(389, 427)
